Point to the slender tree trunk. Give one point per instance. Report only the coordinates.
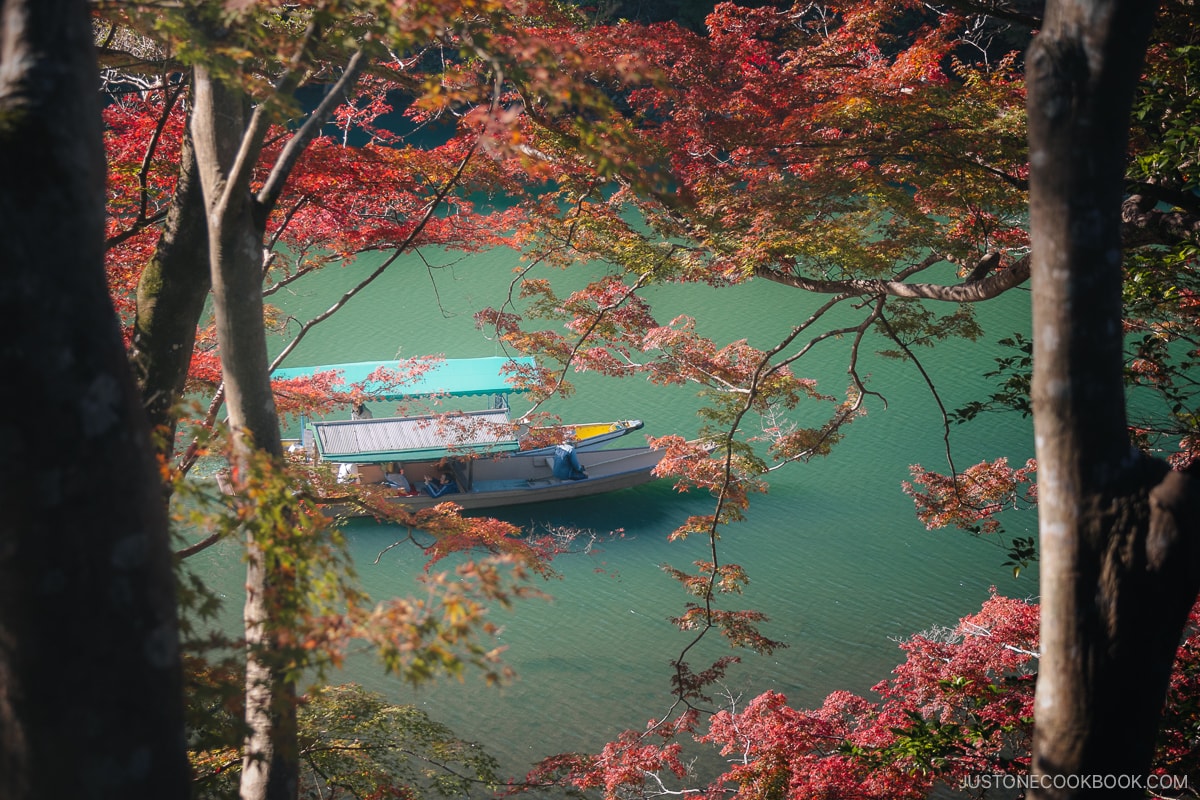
(235, 242)
(90, 681)
(271, 762)
(1119, 531)
(227, 142)
(170, 300)
(271, 766)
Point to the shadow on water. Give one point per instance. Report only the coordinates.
(656, 505)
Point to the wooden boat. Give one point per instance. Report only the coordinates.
(481, 449)
(585, 436)
(382, 439)
(519, 478)
(457, 378)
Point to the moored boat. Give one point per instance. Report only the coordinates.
(585, 436)
(518, 478)
(486, 458)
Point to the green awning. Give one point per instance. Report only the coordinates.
(454, 377)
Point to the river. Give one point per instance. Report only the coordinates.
(835, 554)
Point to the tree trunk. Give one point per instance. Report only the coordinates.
(170, 300)
(1118, 529)
(90, 681)
(271, 761)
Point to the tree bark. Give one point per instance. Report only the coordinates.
(228, 141)
(1118, 529)
(981, 285)
(90, 680)
(170, 299)
(270, 767)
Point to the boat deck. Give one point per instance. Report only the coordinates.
(517, 479)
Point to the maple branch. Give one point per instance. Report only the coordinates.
(995, 11)
(325, 777)
(238, 177)
(128, 64)
(974, 629)
(409, 538)
(199, 546)
(967, 292)
(288, 216)
(829, 334)
(1143, 224)
(142, 220)
(846, 413)
(600, 314)
(400, 249)
(856, 346)
(192, 454)
(169, 99)
(565, 244)
(663, 791)
(859, 332)
(932, 390)
(268, 195)
(429, 268)
(1180, 199)
(288, 280)
(399, 77)
(1015, 181)
(134, 230)
(762, 370)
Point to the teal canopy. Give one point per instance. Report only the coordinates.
(456, 377)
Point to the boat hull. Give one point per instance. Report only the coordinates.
(519, 479)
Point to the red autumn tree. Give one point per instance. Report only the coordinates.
(957, 713)
(848, 150)
(853, 149)
(279, 201)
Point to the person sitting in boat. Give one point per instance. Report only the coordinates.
(566, 465)
(360, 410)
(394, 476)
(443, 485)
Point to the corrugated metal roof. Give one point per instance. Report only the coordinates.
(408, 438)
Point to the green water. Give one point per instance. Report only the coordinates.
(835, 554)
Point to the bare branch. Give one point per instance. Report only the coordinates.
(269, 194)
(401, 248)
(996, 10)
(1142, 223)
(970, 291)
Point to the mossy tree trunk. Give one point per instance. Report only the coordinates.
(170, 300)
